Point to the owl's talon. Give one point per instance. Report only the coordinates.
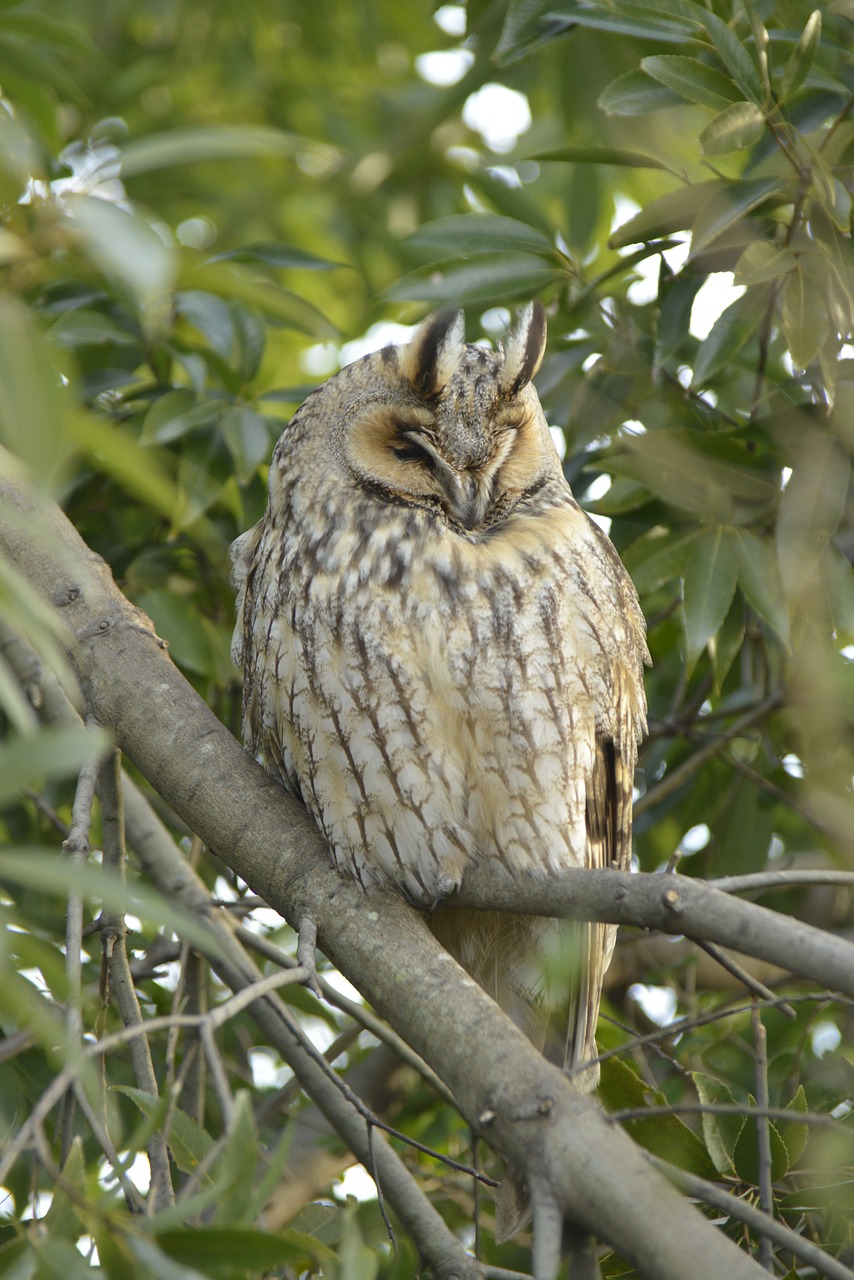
(306, 947)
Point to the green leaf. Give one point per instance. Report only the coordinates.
(14, 701)
(114, 452)
(167, 420)
(84, 328)
(667, 1137)
(811, 506)
(804, 312)
(248, 439)
(27, 612)
(188, 1142)
(250, 335)
(128, 250)
(721, 1132)
(61, 1220)
(732, 330)
(746, 1153)
(692, 79)
(658, 557)
(33, 404)
(157, 1263)
(728, 202)
(794, 1134)
(703, 474)
(491, 279)
(635, 94)
(480, 233)
(60, 1260)
(647, 22)
(734, 56)
(674, 314)
(211, 315)
(741, 828)
(837, 582)
(179, 622)
(238, 1162)
(801, 58)
(762, 261)
(355, 1260)
(43, 870)
(674, 211)
(521, 30)
(275, 253)
(175, 413)
(232, 1249)
(726, 644)
(710, 581)
(191, 145)
(230, 280)
(25, 762)
(738, 126)
(601, 155)
(760, 579)
(529, 24)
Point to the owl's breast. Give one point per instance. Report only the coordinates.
(435, 699)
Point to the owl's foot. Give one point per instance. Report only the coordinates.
(306, 958)
(429, 897)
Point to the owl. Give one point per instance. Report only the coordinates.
(442, 653)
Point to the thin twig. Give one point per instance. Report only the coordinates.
(194, 977)
(219, 1075)
(676, 1029)
(135, 1202)
(771, 789)
(780, 880)
(378, 1184)
(754, 1218)
(814, 1118)
(740, 973)
(677, 777)
(76, 846)
(217, 1018)
(763, 1135)
(283, 1098)
(307, 952)
(358, 1012)
(548, 1230)
(114, 942)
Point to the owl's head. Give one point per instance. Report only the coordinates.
(443, 424)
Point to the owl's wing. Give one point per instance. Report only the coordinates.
(608, 818)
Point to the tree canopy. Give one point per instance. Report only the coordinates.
(206, 209)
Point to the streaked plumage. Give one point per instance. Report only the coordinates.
(442, 654)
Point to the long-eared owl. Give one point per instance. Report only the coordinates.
(442, 653)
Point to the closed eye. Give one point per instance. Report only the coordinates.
(412, 452)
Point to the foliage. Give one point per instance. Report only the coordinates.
(194, 196)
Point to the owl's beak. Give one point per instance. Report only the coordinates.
(467, 494)
(470, 500)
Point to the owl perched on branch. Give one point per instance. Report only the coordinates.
(442, 654)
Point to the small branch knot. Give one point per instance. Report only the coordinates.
(66, 596)
(673, 902)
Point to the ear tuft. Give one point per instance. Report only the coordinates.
(431, 358)
(524, 349)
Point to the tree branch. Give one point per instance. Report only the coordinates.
(596, 1175)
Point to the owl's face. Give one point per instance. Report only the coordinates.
(444, 425)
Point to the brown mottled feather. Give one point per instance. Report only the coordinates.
(442, 654)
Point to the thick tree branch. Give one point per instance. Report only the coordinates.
(527, 1108)
(672, 904)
